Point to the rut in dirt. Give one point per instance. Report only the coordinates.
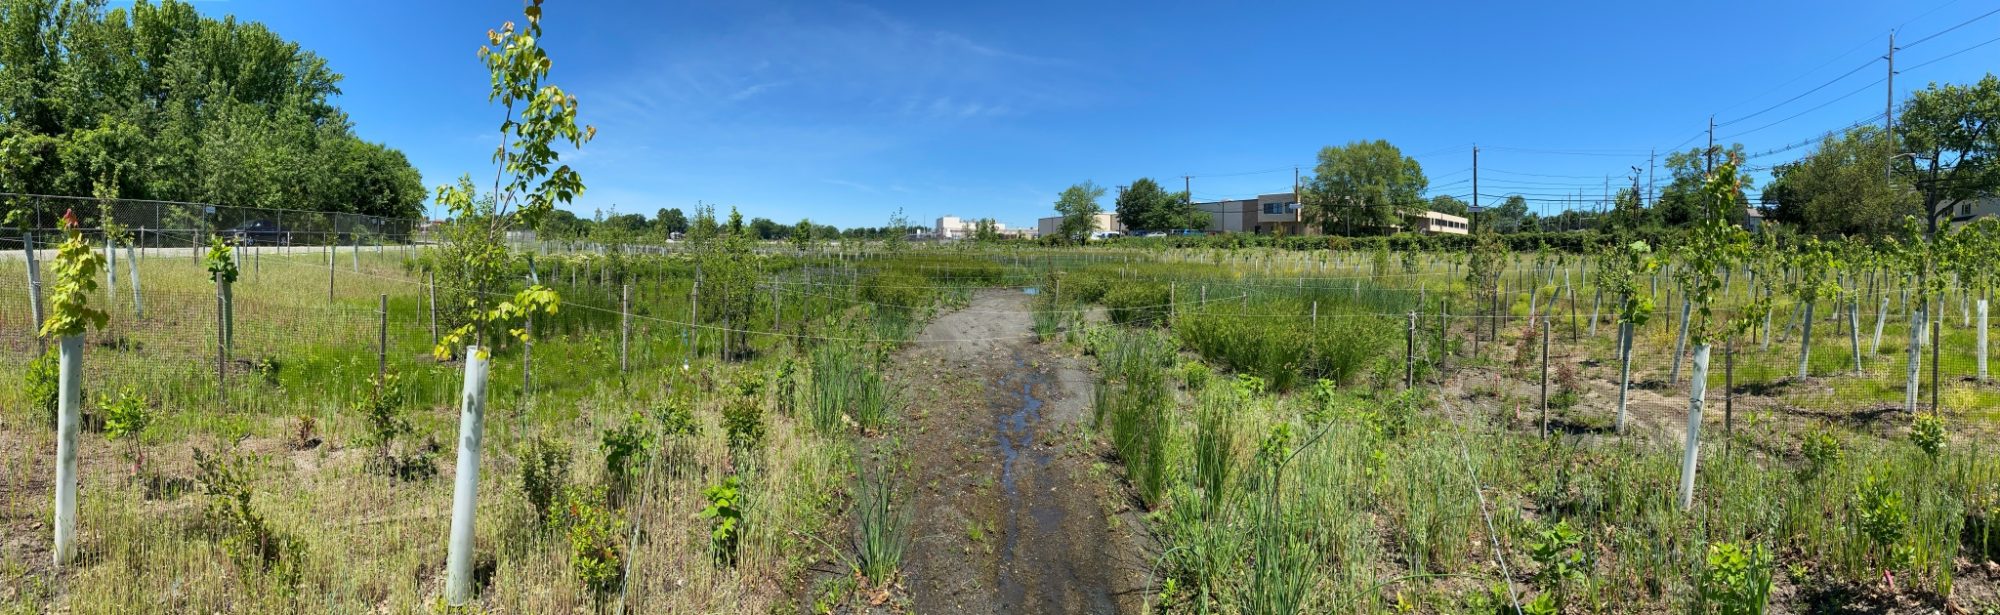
(1009, 520)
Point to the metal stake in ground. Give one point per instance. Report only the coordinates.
(1410, 354)
(382, 339)
(1545, 377)
(34, 279)
(431, 289)
(624, 326)
(132, 267)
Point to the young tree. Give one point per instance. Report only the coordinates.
(802, 235)
(529, 182)
(1714, 245)
(1368, 185)
(1079, 209)
(1619, 277)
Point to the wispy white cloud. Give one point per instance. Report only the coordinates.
(850, 184)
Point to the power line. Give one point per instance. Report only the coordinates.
(1814, 108)
(1946, 30)
(1948, 55)
(1870, 62)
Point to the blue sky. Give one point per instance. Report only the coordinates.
(845, 112)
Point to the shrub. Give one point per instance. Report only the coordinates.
(1137, 302)
(1560, 560)
(743, 416)
(544, 476)
(126, 418)
(1882, 518)
(626, 448)
(244, 533)
(725, 515)
(43, 384)
(1821, 450)
(1079, 287)
(597, 547)
(382, 410)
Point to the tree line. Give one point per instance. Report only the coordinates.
(160, 102)
(1860, 182)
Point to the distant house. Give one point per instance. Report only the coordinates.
(1966, 211)
(1753, 219)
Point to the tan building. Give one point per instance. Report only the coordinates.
(1266, 214)
(1106, 223)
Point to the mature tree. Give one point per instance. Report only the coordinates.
(1628, 211)
(1840, 188)
(1950, 135)
(1511, 215)
(1448, 204)
(802, 235)
(671, 221)
(159, 102)
(1368, 185)
(1678, 204)
(1144, 205)
(765, 229)
(1079, 209)
(627, 223)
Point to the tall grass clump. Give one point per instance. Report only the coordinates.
(1134, 397)
(846, 388)
(882, 530)
(1276, 348)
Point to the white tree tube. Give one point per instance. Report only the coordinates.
(471, 423)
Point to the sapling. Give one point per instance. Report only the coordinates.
(70, 315)
(126, 418)
(1620, 277)
(1715, 244)
(529, 182)
(221, 265)
(1815, 283)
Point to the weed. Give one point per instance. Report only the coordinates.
(1215, 449)
(725, 515)
(1560, 561)
(1737, 579)
(1927, 432)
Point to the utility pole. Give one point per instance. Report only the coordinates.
(1711, 146)
(1475, 189)
(1889, 114)
(1650, 155)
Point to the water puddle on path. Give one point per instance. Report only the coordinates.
(1033, 553)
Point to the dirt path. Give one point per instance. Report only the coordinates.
(1008, 519)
